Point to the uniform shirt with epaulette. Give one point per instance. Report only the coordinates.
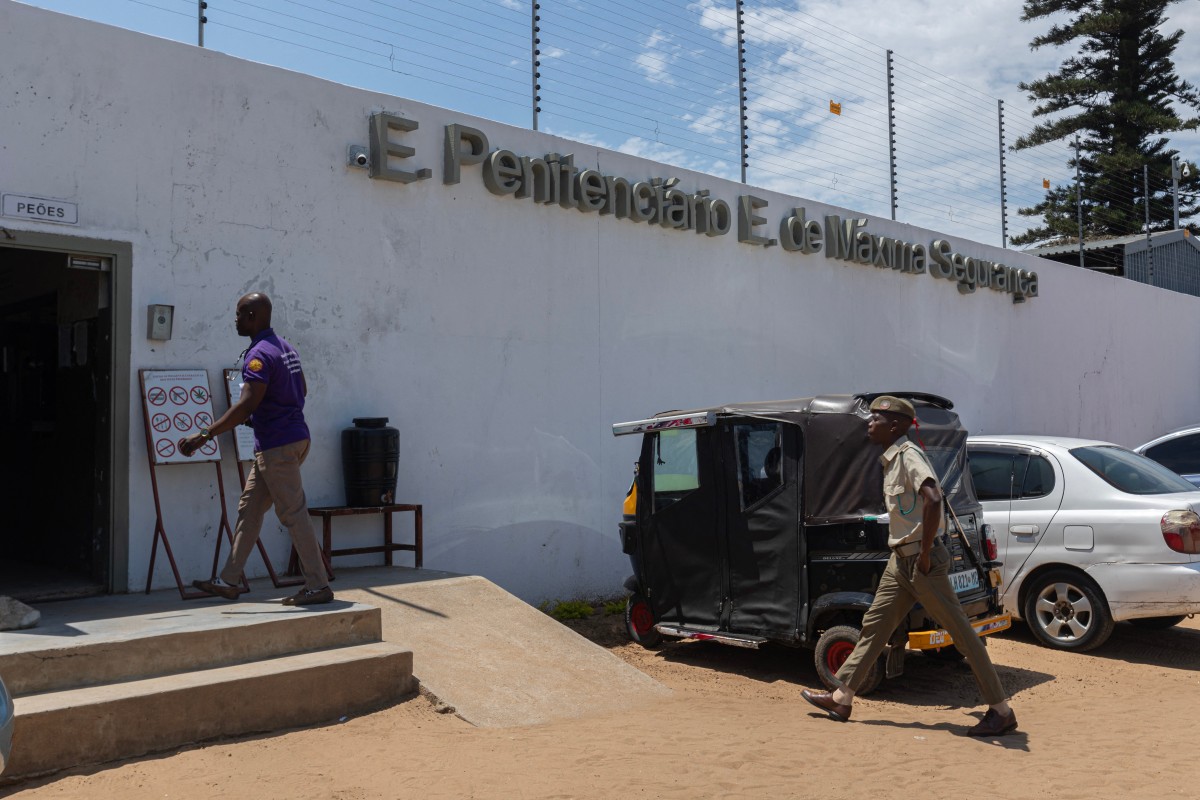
(905, 469)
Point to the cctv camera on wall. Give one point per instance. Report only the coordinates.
(358, 156)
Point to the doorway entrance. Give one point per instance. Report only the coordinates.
(56, 359)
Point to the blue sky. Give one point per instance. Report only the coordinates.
(660, 80)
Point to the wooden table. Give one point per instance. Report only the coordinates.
(327, 513)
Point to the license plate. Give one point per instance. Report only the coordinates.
(964, 581)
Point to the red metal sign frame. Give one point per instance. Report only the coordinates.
(160, 531)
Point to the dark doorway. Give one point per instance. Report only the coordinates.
(55, 379)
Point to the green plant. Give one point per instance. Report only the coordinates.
(571, 609)
(615, 606)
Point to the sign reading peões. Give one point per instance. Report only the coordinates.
(555, 179)
(41, 209)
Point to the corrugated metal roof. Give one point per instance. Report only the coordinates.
(1172, 262)
(1159, 238)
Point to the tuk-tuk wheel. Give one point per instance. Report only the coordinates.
(833, 648)
(639, 622)
(948, 654)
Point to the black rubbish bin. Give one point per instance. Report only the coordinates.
(370, 458)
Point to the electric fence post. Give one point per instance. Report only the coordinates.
(1146, 205)
(1003, 177)
(536, 61)
(1078, 200)
(743, 117)
(891, 108)
(1174, 193)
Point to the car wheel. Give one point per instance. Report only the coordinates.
(1067, 611)
(639, 622)
(833, 648)
(1157, 623)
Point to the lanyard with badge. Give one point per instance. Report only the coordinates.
(241, 367)
(917, 429)
(899, 502)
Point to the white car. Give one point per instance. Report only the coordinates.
(1178, 451)
(1090, 534)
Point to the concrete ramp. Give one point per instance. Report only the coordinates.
(496, 659)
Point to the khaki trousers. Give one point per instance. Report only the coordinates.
(274, 479)
(900, 587)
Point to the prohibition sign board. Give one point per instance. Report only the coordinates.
(174, 399)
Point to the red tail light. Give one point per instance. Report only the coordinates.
(1181, 531)
(989, 544)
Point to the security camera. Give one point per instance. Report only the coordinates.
(358, 156)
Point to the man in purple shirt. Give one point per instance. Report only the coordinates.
(272, 400)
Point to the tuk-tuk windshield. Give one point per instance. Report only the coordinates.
(676, 469)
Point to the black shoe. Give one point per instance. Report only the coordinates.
(226, 591)
(825, 702)
(994, 724)
(310, 597)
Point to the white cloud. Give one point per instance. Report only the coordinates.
(657, 56)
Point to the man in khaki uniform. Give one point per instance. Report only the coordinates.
(917, 571)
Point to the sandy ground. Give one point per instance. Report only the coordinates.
(1120, 722)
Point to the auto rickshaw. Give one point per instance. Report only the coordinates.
(760, 523)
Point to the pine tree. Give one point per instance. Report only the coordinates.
(1119, 94)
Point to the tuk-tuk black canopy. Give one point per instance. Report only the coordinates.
(843, 478)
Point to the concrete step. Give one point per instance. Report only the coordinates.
(193, 637)
(90, 725)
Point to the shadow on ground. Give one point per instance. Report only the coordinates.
(1176, 647)
(927, 681)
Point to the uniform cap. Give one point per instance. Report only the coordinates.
(895, 405)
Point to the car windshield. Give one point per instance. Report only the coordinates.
(1130, 472)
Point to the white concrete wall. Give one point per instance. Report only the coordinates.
(501, 337)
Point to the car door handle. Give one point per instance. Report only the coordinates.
(1023, 530)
